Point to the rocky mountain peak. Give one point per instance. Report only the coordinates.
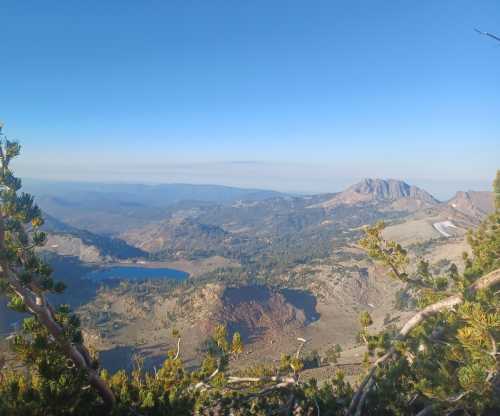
(390, 190)
(402, 195)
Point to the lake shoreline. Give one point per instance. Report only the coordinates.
(135, 272)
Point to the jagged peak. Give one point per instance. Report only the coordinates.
(390, 189)
(384, 190)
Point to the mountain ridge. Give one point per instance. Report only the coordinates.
(473, 203)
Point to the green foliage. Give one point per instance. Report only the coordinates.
(53, 384)
(389, 253)
(332, 354)
(237, 344)
(365, 319)
(485, 241)
(220, 338)
(450, 360)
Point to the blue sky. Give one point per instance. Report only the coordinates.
(290, 95)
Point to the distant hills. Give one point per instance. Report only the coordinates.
(154, 195)
(114, 208)
(102, 222)
(292, 228)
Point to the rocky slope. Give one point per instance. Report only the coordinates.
(70, 245)
(473, 203)
(66, 240)
(260, 311)
(141, 317)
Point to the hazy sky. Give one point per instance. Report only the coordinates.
(290, 95)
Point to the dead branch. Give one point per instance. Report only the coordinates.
(274, 379)
(178, 348)
(301, 346)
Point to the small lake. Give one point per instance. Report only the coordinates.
(135, 273)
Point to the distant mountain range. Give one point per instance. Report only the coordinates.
(98, 222)
(114, 208)
(154, 195)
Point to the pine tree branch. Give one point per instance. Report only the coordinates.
(490, 280)
(38, 306)
(78, 354)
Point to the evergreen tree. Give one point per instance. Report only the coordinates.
(50, 342)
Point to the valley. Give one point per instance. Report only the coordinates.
(271, 266)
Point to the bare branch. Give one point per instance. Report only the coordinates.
(491, 35)
(288, 380)
(301, 346)
(178, 348)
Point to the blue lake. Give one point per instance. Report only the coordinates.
(135, 273)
